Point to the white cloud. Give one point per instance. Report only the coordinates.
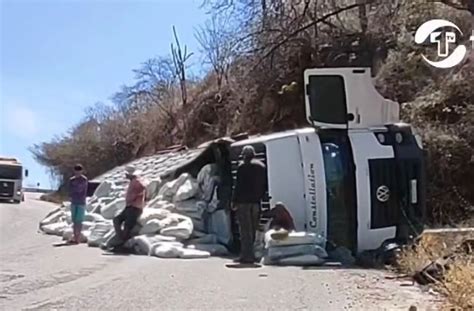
(20, 121)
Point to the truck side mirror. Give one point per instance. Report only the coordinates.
(26, 173)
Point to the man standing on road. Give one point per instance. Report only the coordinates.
(135, 201)
(250, 187)
(77, 193)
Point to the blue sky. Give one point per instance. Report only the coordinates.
(59, 57)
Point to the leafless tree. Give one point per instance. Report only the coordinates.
(216, 44)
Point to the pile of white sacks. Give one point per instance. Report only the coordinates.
(180, 219)
(294, 249)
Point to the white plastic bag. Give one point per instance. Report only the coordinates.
(213, 249)
(187, 253)
(186, 191)
(219, 224)
(113, 209)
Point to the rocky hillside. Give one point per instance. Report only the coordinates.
(254, 84)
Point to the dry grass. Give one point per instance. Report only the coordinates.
(457, 284)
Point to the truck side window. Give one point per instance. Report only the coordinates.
(327, 97)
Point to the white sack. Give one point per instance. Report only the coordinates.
(303, 260)
(143, 244)
(170, 221)
(186, 191)
(113, 209)
(158, 244)
(280, 252)
(294, 238)
(53, 217)
(55, 228)
(104, 189)
(67, 235)
(190, 208)
(93, 217)
(87, 225)
(158, 202)
(182, 230)
(206, 181)
(219, 224)
(98, 233)
(168, 251)
(66, 206)
(152, 226)
(106, 200)
(169, 189)
(213, 249)
(193, 254)
(152, 213)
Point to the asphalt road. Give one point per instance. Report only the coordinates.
(36, 276)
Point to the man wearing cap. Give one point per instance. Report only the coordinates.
(250, 187)
(77, 194)
(135, 201)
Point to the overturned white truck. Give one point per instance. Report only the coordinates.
(356, 176)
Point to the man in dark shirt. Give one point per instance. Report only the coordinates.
(250, 187)
(77, 193)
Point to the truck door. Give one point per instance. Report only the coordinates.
(341, 190)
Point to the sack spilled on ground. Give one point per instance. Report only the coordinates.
(180, 219)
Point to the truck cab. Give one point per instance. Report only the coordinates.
(356, 176)
(11, 179)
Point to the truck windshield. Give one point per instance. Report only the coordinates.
(11, 172)
(333, 164)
